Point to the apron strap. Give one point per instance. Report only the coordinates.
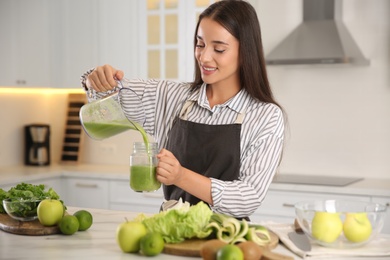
(240, 118)
(189, 104)
(186, 109)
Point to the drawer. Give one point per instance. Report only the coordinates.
(87, 193)
(147, 209)
(121, 193)
(280, 203)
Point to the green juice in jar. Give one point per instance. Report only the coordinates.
(143, 178)
(143, 165)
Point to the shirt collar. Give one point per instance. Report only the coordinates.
(237, 103)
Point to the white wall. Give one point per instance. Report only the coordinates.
(20, 109)
(339, 117)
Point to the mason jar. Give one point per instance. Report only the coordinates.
(143, 165)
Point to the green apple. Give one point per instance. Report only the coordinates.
(50, 212)
(357, 227)
(326, 226)
(129, 234)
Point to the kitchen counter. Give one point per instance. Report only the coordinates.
(98, 242)
(9, 175)
(14, 174)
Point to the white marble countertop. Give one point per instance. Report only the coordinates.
(98, 242)
(15, 174)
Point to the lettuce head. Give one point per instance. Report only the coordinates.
(178, 224)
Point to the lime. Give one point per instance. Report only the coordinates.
(85, 219)
(68, 225)
(230, 252)
(152, 244)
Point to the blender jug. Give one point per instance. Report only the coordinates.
(104, 118)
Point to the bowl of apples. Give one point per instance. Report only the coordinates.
(340, 223)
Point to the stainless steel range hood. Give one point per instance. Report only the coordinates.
(321, 38)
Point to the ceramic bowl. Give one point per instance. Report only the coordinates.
(340, 223)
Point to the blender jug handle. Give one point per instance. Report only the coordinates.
(136, 110)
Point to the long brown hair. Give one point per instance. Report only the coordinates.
(240, 19)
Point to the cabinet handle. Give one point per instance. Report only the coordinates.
(153, 195)
(288, 205)
(20, 82)
(84, 185)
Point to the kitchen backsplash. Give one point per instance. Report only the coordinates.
(20, 109)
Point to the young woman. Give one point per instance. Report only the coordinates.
(221, 136)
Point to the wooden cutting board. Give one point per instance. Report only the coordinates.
(192, 247)
(31, 228)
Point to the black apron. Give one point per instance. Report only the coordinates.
(210, 150)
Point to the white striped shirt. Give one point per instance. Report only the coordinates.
(262, 134)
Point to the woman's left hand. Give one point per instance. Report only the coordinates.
(169, 169)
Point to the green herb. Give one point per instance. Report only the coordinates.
(23, 208)
(26, 192)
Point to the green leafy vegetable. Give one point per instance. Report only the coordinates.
(23, 209)
(26, 192)
(232, 231)
(176, 225)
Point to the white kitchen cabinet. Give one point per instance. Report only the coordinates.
(86, 192)
(91, 33)
(48, 43)
(24, 43)
(75, 40)
(384, 201)
(122, 197)
(51, 43)
(119, 40)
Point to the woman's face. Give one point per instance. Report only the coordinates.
(217, 54)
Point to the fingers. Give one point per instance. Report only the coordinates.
(119, 74)
(164, 152)
(103, 78)
(168, 168)
(167, 160)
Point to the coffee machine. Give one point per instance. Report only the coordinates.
(37, 144)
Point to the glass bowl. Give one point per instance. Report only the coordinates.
(340, 223)
(23, 210)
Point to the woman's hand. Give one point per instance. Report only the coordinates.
(169, 170)
(103, 78)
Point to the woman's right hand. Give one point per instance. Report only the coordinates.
(103, 78)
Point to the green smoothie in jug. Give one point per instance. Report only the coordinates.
(103, 130)
(100, 130)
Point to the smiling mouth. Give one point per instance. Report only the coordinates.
(208, 68)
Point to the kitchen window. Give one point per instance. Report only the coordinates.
(168, 42)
